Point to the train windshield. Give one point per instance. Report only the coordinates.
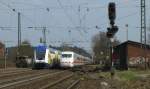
(40, 55)
(40, 52)
(66, 55)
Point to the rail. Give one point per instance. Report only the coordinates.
(13, 71)
(27, 80)
(56, 82)
(73, 84)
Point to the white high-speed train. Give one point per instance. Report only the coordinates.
(72, 59)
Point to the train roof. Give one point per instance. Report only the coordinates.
(68, 52)
(71, 52)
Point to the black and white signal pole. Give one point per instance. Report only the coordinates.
(112, 31)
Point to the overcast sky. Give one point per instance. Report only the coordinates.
(63, 17)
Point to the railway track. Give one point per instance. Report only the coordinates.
(24, 76)
(56, 82)
(2, 69)
(14, 71)
(37, 79)
(67, 82)
(15, 84)
(73, 85)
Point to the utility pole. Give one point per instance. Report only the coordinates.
(5, 48)
(143, 22)
(126, 32)
(44, 36)
(5, 56)
(19, 32)
(79, 11)
(6, 53)
(143, 29)
(19, 29)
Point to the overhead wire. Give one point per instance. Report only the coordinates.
(126, 15)
(14, 10)
(123, 17)
(69, 17)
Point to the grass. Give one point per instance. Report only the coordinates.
(127, 75)
(105, 75)
(121, 75)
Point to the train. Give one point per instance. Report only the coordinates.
(46, 57)
(71, 59)
(51, 58)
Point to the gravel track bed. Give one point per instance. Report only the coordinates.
(64, 84)
(90, 84)
(2, 69)
(42, 82)
(7, 75)
(22, 74)
(14, 71)
(25, 76)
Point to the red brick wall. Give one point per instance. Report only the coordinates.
(136, 55)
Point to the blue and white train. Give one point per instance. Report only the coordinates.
(46, 57)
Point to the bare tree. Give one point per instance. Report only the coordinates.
(101, 46)
(26, 49)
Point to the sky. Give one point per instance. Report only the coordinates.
(68, 21)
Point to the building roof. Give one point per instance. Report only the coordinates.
(134, 43)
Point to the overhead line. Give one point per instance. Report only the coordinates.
(14, 10)
(68, 16)
(132, 14)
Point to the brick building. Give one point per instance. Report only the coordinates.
(131, 54)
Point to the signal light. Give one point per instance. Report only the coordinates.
(112, 12)
(114, 29)
(111, 31)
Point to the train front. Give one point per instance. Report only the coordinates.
(39, 57)
(66, 59)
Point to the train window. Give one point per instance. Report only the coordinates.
(66, 55)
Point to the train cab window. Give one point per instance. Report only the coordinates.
(40, 55)
(66, 55)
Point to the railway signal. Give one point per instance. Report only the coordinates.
(111, 31)
(112, 12)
